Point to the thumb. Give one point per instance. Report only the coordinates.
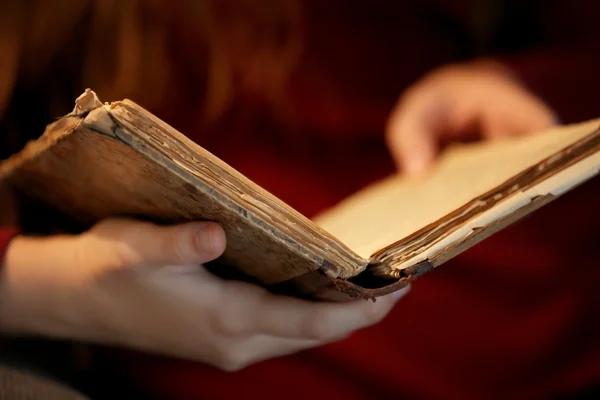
(145, 243)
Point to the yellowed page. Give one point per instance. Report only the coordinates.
(397, 207)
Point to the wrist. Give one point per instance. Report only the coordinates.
(31, 281)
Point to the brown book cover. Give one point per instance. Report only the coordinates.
(118, 159)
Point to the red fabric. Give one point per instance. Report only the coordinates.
(6, 235)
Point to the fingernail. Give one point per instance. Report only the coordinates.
(210, 238)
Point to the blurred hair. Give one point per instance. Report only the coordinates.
(228, 48)
(233, 48)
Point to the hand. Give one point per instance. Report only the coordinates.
(139, 285)
(461, 102)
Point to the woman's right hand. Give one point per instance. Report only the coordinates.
(142, 286)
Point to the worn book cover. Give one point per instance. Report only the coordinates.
(117, 159)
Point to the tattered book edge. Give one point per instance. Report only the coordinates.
(555, 184)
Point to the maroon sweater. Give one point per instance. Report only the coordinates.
(514, 317)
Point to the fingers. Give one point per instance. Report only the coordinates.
(411, 133)
(248, 310)
(322, 321)
(144, 243)
(271, 326)
(534, 119)
(238, 355)
(517, 113)
(412, 146)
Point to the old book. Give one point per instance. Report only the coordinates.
(117, 159)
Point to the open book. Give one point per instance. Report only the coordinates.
(117, 159)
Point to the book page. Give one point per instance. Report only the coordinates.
(395, 208)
